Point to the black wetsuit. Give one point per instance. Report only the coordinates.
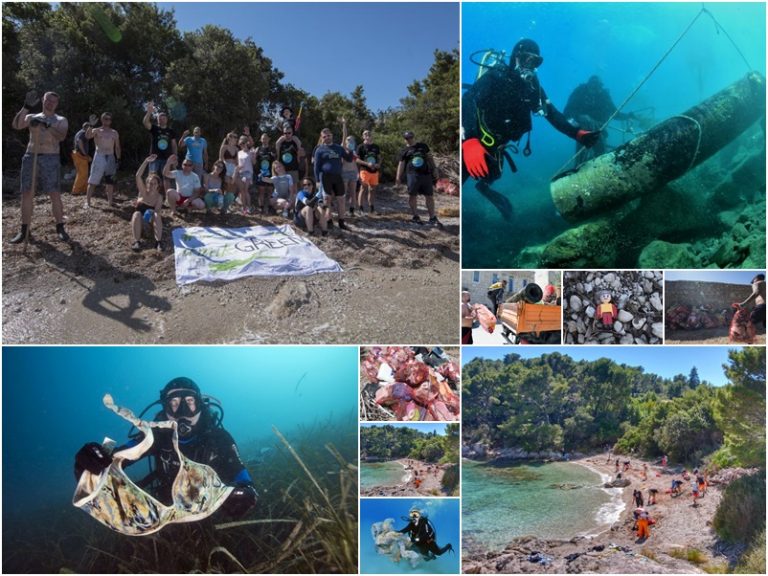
(499, 106)
(423, 536)
(589, 107)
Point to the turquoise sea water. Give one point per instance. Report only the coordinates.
(381, 474)
(503, 503)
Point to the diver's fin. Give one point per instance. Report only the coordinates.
(503, 205)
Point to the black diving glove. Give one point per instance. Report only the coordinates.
(587, 139)
(92, 457)
(242, 499)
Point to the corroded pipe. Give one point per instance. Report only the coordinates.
(531, 293)
(665, 152)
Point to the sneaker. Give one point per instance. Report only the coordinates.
(159, 246)
(416, 220)
(433, 221)
(330, 224)
(342, 226)
(351, 211)
(19, 238)
(136, 246)
(323, 232)
(61, 233)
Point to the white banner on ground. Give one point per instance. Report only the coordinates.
(204, 253)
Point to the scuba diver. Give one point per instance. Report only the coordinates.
(589, 107)
(201, 439)
(423, 535)
(496, 113)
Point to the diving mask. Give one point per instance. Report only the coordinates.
(527, 62)
(184, 406)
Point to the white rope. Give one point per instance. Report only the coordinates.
(698, 141)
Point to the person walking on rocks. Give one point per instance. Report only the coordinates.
(46, 131)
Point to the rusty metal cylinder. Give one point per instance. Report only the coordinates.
(531, 293)
(664, 153)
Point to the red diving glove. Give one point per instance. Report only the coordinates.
(588, 139)
(474, 158)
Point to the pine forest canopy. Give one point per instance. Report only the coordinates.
(392, 442)
(117, 56)
(556, 403)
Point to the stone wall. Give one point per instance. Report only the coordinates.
(713, 294)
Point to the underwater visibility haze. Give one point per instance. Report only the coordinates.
(52, 405)
(714, 215)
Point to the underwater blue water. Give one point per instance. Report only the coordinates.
(444, 514)
(619, 42)
(52, 401)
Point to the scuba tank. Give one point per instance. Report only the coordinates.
(487, 59)
(490, 59)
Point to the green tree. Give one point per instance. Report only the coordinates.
(203, 95)
(739, 408)
(431, 108)
(693, 378)
(100, 57)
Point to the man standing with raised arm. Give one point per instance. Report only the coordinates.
(46, 131)
(163, 141)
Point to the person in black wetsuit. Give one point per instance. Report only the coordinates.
(496, 111)
(423, 535)
(589, 107)
(201, 438)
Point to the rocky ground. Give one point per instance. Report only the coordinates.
(431, 476)
(682, 540)
(398, 285)
(704, 336)
(638, 296)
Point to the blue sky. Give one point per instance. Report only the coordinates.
(720, 276)
(664, 361)
(322, 47)
(424, 427)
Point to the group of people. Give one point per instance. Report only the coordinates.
(642, 518)
(178, 172)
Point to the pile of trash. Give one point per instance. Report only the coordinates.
(742, 329)
(414, 383)
(683, 317)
